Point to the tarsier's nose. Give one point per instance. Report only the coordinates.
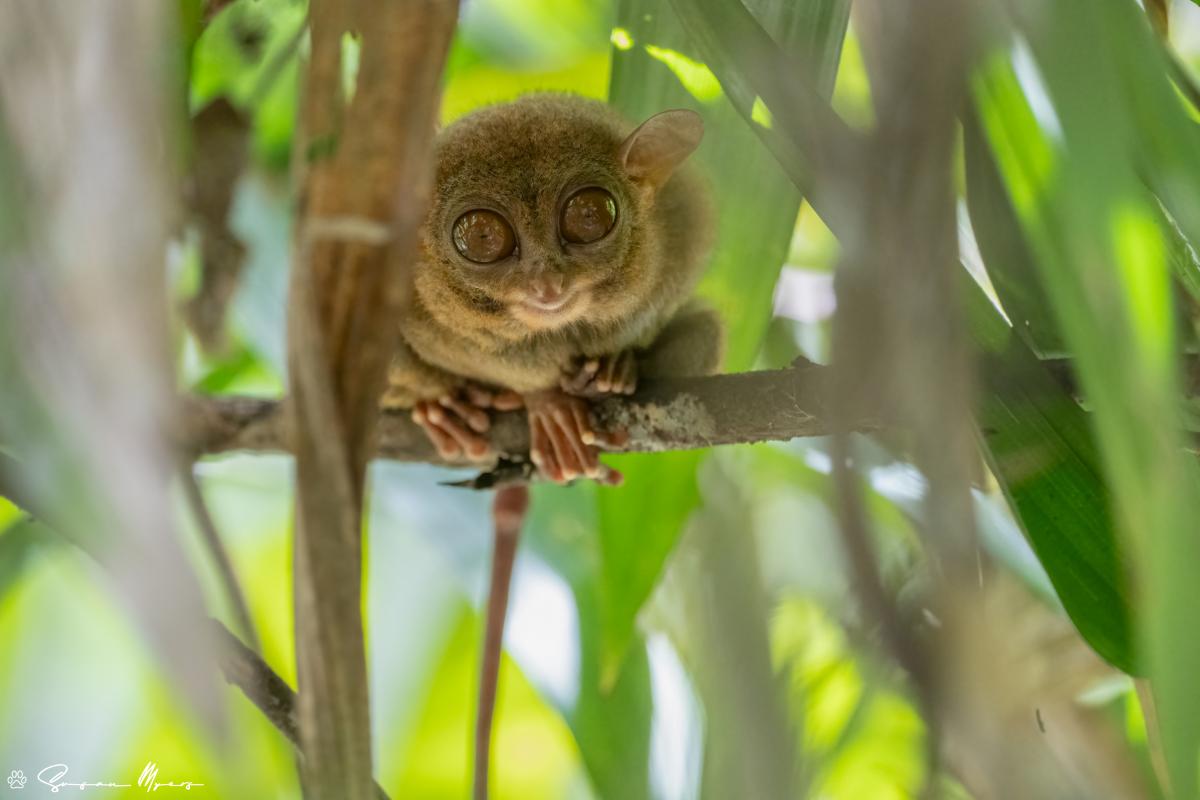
(546, 290)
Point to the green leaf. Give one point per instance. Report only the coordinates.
(248, 54)
(610, 716)
(750, 63)
(19, 544)
(1041, 449)
(1037, 438)
(431, 760)
(1075, 182)
(1009, 263)
(655, 65)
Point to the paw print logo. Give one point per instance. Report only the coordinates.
(16, 779)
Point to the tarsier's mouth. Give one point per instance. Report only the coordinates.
(539, 315)
(552, 309)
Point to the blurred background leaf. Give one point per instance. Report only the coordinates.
(1101, 254)
(1080, 186)
(756, 213)
(1038, 439)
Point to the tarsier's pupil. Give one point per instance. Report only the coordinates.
(588, 216)
(484, 236)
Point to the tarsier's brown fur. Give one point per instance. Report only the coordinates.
(523, 159)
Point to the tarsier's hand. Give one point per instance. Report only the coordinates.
(455, 422)
(564, 443)
(606, 375)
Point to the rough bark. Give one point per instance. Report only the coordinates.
(677, 414)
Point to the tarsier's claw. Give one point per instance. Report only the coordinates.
(564, 442)
(607, 375)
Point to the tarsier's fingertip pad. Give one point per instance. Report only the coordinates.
(607, 476)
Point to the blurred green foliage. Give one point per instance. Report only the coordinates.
(1099, 242)
(611, 687)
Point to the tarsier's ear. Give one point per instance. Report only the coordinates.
(659, 145)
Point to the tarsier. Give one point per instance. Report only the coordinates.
(556, 265)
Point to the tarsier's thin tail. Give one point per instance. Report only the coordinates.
(508, 513)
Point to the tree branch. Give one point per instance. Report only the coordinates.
(226, 574)
(366, 164)
(675, 414)
(750, 407)
(262, 686)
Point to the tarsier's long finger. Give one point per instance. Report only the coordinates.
(605, 377)
(502, 400)
(473, 415)
(541, 451)
(612, 440)
(478, 396)
(442, 441)
(618, 374)
(574, 430)
(583, 423)
(573, 383)
(577, 381)
(507, 401)
(569, 463)
(601, 473)
(625, 374)
(592, 434)
(474, 445)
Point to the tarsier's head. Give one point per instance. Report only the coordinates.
(540, 210)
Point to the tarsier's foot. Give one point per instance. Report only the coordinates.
(564, 443)
(595, 377)
(456, 421)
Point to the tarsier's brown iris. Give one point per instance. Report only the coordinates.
(588, 216)
(484, 236)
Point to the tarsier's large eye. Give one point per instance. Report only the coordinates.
(484, 236)
(588, 216)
